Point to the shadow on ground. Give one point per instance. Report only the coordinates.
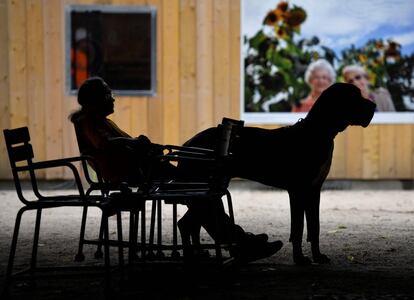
(368, 234)
(254, 281)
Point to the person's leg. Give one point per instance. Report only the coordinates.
(211, 215)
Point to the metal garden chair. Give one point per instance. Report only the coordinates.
(21, 157)
(172, 192)
(181, 192)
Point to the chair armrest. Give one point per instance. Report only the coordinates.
(100, 185)
(183, 153)
(179, 157)
(195, 150)
(51, 163)
(85, 161)
(64, 162)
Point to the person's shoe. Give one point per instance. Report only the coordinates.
(245, 253)
(254, 238)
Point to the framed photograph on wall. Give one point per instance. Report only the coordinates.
(292, 50)
(117, 43)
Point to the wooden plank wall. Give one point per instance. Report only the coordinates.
(198, 82)
(4, 87)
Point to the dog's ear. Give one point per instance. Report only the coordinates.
(358, 110)
(341, 105)
(330, 110)
(365, 113)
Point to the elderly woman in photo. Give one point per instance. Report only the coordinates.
(319, 76)
(357, 75)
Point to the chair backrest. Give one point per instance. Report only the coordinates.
(87, 170)
(231, 132)
(18, 145)
(20, 151)
(223, 147)
(233, 122)
(228, 132)
(79, 139)
(94, 179)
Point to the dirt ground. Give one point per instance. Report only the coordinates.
(368, 234)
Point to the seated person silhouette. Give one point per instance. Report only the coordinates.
(118, 156)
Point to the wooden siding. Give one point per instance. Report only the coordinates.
(198, 82)
(4, 87)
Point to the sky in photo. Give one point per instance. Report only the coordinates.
(341, 23)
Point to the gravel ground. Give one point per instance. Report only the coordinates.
(368, 234)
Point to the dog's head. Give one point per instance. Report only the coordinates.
(341, 105)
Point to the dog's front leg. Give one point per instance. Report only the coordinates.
(312, 222)
(297, 214)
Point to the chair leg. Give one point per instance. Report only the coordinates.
(131, 237)
(105, 242)
(36, 239)
(152, 228)
(13, 251)
(230, 205)
(219, 255)
(160, 253)
(143, 233)
(231, 214)
(98, 253)
(120, 243)
(136, 224)
(175, 253)
(217, 242)
(80, 256)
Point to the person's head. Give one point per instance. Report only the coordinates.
(95, 96)
(357, 75)
(320, 75)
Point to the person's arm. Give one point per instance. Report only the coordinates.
(389, 102)
(141, 145)
(106, 139)
(141, 141)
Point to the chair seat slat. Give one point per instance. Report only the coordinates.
(22, 152)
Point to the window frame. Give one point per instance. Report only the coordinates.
(113, 9)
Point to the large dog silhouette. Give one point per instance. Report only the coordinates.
(297, 158)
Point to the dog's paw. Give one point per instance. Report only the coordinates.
(321, 259)
(302, 260)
